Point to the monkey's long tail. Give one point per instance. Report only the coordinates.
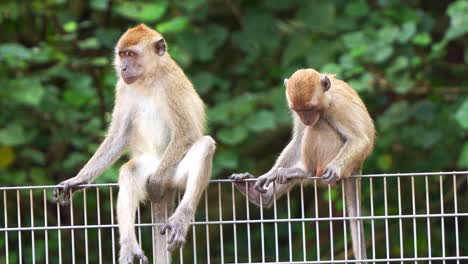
(161, 211)
(353, 204)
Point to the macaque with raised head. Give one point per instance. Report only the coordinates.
(159, 116)
(333, 134)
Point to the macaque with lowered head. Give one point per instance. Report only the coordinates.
(333, 134)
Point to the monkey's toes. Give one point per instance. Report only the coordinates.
(240, 176)
(176, 237)
(330, 176)
(128, 257)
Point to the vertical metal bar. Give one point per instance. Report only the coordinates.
(181, 253)
(399, 219)
(304, 250)
(442, 218)
(359, 221)
(59, 233)
(72, 231)
(330, 214)
(345, 238)
(46, 233)
(194, 244)
(85, 216)
(455, 205)
(98, 201)
(371, 187)
(247, 206)
(415, 238)
(234, 218)
(220, 208)
(112, 222)
(139, 227)
(275, 211)
(5, 214)
(207, 230)
(33, 248)
(20, 249)
(317, 222)
(387, 238)
(428, 219)
(288, 196)
(262, 231)
(153, 227)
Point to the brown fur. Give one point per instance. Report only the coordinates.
(136, 35)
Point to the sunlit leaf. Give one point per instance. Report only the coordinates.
(462, 115)
(141, 11)
(261, 121)
(174, 25)
(458, 19)
(232, 136)
(7, 156)
(463, 159)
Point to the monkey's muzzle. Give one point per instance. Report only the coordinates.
(309, 117)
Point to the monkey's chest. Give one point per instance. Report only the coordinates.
(151, 129)
(321, 143)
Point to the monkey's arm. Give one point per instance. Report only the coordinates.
(108, 152)
(357, 146)
(183, 136)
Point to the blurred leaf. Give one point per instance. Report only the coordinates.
(357, 8)
(463, 159)
(422, 39)
(227, 159)
(7, 156)
(140, 11)
(388, 34)
(174, 25)
(396, 114)
(99, 5)
(71, 26)
(458, 19)
(462, 114)
(89, 43)
(261, 121)
(407, 31)
(13, 135)
(232, 136)
(385, 162)
(27, 91)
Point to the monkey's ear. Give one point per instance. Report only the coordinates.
(286, 82)
(160, 47)
(325, 82)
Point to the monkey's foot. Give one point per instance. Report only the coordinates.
(331, 175)
(176, 227)
(130, 252)
(285, 175)
(63, 192)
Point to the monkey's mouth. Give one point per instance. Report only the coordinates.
(129, 79)
(309, 118)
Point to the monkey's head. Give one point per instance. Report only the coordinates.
(306, 91)
(139, 50)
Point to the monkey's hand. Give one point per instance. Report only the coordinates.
(176, 228)
(331, 174)
(66, 188)
(264, 181)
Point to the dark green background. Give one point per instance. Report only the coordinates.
(407, 59)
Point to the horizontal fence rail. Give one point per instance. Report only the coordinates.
(408, 217)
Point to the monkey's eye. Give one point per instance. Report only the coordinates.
(131, 53)
(121, 53)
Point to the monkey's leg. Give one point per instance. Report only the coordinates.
(192, 174)
(132, 190)
(353, 204)
(269, 193)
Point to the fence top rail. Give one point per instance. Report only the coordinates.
(97, 185)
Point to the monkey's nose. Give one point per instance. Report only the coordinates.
(124, 69)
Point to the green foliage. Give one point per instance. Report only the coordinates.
(408, 61)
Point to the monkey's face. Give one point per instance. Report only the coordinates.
(138, 53)
(306, 94)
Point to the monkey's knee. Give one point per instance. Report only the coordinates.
(209, 145)
(130, 182)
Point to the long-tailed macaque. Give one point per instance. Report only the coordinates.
(159, 116)
(333, 134)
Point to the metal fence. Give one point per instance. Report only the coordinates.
(418, 217)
